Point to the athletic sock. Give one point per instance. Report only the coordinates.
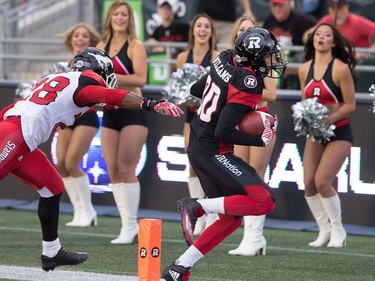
(213, 205)
(190, 257)
(51, 248)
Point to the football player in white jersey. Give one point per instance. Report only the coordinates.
(56, 102)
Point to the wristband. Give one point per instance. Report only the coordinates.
(148, 104)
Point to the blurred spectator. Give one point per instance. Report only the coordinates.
(25, 8)
(224, 15)
(170, 30)
(288, 26)
(315, 8)
(310, 6)
(358, 29)
(21, 2)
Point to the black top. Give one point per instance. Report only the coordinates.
(223, 10)
(122, 64)
(324, 89)
(176, 32)
(206, 59)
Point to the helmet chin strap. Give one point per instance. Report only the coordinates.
(263, 69)
(240, 59)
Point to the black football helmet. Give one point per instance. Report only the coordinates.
(98, 61)
(252, 47)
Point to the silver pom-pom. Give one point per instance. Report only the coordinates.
(308, 117)
(180, 82)
(61, 66)
(23, 90)
(372, 91)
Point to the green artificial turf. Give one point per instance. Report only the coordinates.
(288, 256)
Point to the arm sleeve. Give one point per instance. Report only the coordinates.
(92, 94)
(198, 88)
(227, 130)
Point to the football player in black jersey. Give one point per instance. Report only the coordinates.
(232, 88)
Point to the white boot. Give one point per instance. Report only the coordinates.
(200, 225)
(196, 191)
(332, 207)
(87, 216)
(74, 199)
(210, 219)
(253, 242)
(246, 233)
(127, 197)
(316, 208)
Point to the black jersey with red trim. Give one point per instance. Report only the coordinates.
(228, 92)
(324, 89)
(122, 64)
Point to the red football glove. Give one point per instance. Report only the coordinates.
(167, 108)
(268, 133)
(162, 107)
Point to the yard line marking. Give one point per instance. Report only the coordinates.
(37, 274)
(311, 251)
(321, 252)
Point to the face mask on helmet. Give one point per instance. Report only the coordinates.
(99, 62)
(258, 48)
(275, 64)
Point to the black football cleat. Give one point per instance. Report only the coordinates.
(190, 211)
(62, 258)
(176, 273)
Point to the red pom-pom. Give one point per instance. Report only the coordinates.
(253, 123)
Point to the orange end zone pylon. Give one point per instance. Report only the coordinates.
(149, 249)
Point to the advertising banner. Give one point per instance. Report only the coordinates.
(163, 167)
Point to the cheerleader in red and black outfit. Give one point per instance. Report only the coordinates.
(327, 75)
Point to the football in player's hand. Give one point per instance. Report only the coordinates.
(253, 123)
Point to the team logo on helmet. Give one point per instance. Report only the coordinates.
(79, 63)
(104, 61)
(253, 46)
(253, 43)
(98, 61)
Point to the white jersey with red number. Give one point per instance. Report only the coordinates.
(50, 106)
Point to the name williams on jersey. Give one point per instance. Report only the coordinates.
(221, 72)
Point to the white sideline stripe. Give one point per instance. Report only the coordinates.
(37, 274)
(321, 252)
(311, 251)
